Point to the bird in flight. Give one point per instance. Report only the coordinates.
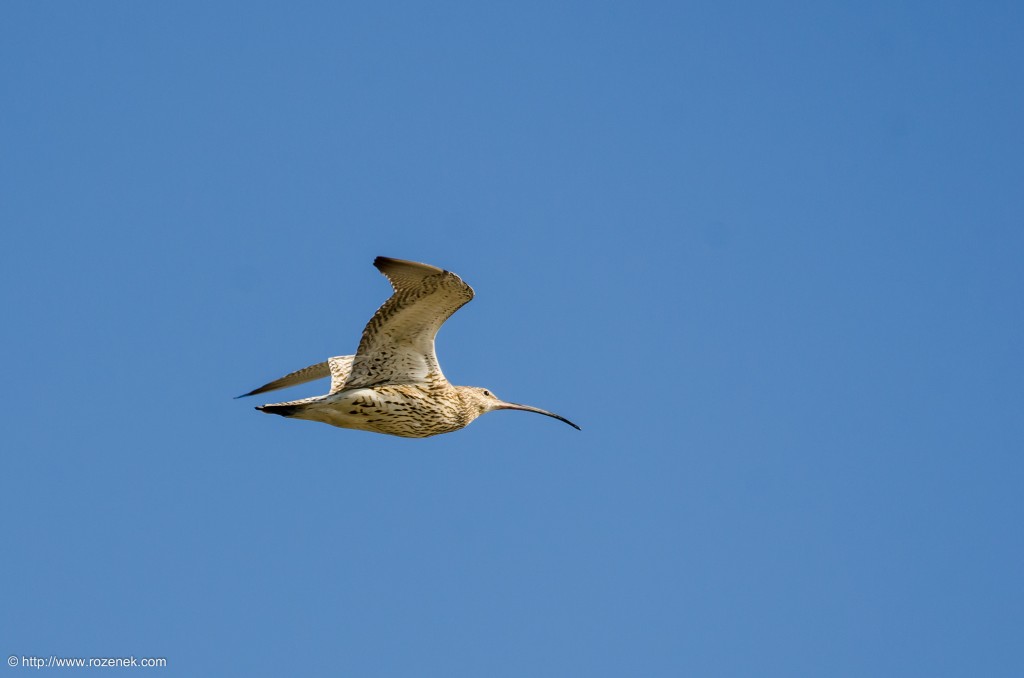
(393, 384)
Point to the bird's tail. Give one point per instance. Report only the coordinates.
(284, 410)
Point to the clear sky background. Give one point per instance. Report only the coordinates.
(771, 259)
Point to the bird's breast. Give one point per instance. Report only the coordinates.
(408, 410)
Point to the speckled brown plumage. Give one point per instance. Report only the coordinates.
(394, 384)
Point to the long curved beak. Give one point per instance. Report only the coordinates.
(527, 408)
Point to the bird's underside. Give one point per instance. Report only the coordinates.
(394, 384)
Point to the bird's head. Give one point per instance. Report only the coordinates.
(481, 401)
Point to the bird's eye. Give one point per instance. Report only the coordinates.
(486, 392)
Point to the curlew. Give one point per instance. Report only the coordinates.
(393, 384)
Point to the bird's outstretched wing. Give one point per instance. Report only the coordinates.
(336, 368)
(397, 346)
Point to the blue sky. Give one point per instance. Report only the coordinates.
(768, 257)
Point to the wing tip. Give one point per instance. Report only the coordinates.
(384, 262)
(381, 263)
(255, 391)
